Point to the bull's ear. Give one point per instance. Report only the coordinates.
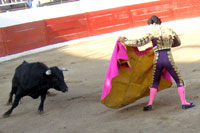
(48, 72)
(63, 69)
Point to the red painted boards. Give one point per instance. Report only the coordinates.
(141, 12)
(109, 20)
(66, 28)
(24, 37)
(2, 45)
(186, 9)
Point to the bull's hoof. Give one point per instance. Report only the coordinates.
(41, 112)
(6, 115)
(8, 103)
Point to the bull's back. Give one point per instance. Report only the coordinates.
(27, 75)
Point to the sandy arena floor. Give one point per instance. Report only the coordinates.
(80, 110)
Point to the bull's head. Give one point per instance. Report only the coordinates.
(57, 78)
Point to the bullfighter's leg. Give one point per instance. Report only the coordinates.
(14, 105)
(41, 107)
(156, 80)
(173, 70)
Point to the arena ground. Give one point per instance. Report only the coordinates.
(80, 109)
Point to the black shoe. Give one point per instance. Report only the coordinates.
(146, 108)
(188, 106)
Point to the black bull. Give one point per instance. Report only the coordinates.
(35, 79)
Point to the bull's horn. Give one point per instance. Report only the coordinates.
(63, 69)
(48, 72)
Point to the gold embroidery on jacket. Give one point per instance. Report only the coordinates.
(138, 42)
(164, 36)
(156, 55)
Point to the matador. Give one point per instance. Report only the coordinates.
(163, 39)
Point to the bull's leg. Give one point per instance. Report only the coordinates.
(41, 107)
(13, 91)
(14, 105)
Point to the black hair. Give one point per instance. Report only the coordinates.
(154, 19)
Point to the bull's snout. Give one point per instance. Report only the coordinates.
(62, 87)
(65, 89)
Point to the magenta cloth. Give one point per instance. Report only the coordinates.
(120, 52)
(141, 52)
(112, 71)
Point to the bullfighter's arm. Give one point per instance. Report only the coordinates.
(138, 42)
(176, 39)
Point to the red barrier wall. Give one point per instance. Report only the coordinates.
(66, 28)
(19, 38)
(24, 37)
(2, 44)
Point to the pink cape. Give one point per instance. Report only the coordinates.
(120, 53)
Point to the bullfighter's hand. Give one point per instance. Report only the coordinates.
(122, 39)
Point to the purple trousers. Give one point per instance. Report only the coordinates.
(163, 59)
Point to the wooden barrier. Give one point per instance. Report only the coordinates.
(24, 37)
(186, 9)
(2, 44)
(66, 28)
(19, 38)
